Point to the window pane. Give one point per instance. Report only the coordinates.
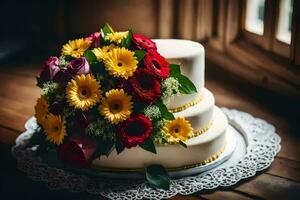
(255, 10)
(285, 21)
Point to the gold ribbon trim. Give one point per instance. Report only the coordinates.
(187, 105)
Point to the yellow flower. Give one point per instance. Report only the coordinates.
(177, 130)
(116, 106)
(121, 62)
(117, 37)
(75, 48)
(101, 53)
(55, 129)
(41, 109)
(83, 92)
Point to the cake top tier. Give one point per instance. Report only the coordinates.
(176, 48)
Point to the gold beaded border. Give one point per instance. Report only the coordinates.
(201, 131)
(187, 105)
(210, 159)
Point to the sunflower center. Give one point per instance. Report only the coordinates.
(135, 129)
(115, 107)
(176, 129)
(75, 49)
(56, 128)
(84, 93)
(120, 64)
(155, 64)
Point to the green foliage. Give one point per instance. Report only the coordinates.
(158, 176)
(104, 31)
(90, 56)
(186, 85)
(164, 110)
(182, 144)
(139, 54)
(39, 82)
(174, 70)
(119, 147)
(127, 40)
(148, 146)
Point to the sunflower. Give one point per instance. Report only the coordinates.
(76, 47)
(101, 53)
(121, 62)
(83, 92)
(116, 106)
(41, 109)
(177, 130)
(116, 37)
(55, 128)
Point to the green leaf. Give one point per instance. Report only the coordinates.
(139, 54)
(148, 146)
(174, 70)
(105, 147)
(186, 85)
(90, 56)
(158, 176)
(106, 29)
(119, 147)
(182, 144)
(69, 58)
(127, 41)
(164, 110)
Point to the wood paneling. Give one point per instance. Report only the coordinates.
(88, 16)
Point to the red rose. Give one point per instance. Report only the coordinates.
(145, 86)
(142, 43)
(157, 64)
(135, 130)
(77, 151)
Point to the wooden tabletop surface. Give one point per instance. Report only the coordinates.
(18, 95)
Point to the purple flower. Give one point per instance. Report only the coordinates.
(50, 69)
(78, 66)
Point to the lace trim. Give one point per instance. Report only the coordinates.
(187, 105)
(210, 159)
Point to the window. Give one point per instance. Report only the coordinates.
(284, 26)
(255, 10)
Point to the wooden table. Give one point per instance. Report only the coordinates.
(18, 95)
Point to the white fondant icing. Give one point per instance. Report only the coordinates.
(190, 56)
(201, 114)
(171, 156)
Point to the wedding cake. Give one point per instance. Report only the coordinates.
(207, 120)
(119, 101)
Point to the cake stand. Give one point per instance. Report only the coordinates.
(252, 147)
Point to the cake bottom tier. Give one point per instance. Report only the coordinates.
(200, 149)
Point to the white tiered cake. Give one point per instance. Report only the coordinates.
(208, 121)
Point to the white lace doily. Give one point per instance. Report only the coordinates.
(258, 145)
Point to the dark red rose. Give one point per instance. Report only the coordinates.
(142, 43)
(77, 151)
(135, 130)
(145, 86)
(78, 66)
(157, 64)
(95, 39)
(50, 69)
(62, 77)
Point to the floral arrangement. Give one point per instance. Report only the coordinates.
(106, 91)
